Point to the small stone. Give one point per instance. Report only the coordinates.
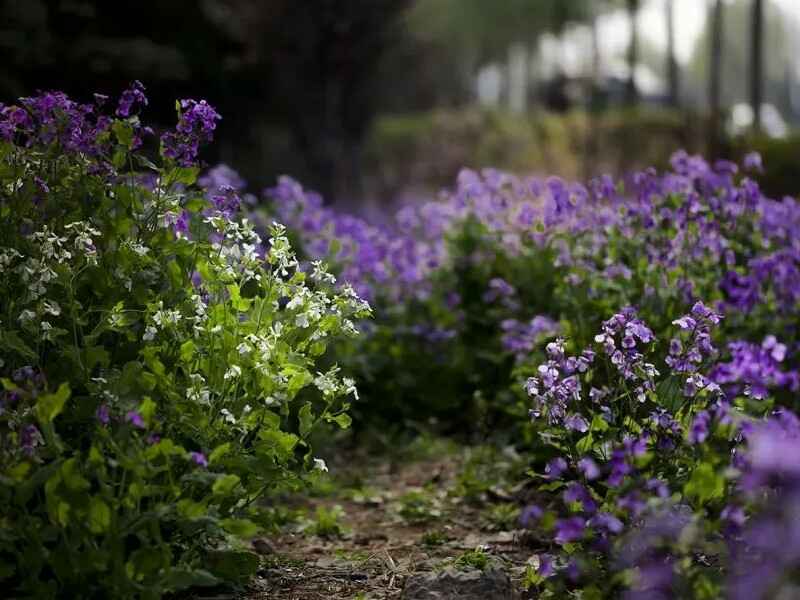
(262, 546)
(452, 584)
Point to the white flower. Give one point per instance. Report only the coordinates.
(149, 333)
(233, 372)
(52, 307)
(320, 272)
(350, 386)
(26, 316)
(228, 416)
(320, 465)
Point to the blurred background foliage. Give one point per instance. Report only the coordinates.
(371, 101)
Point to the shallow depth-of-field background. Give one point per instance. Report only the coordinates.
(399, 299)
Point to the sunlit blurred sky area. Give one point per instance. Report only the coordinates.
(690, 16)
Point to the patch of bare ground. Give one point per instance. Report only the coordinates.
(363, 541)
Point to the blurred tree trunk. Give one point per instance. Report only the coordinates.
(672, 63)
(757, 62)
(715, 77)
(631, 92)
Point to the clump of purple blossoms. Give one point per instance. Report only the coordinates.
(687, 356)
(520, 338)
(131, 99)
(557, 386)
(755, 369)
(767, 551)
(620, 339)
(196, 126)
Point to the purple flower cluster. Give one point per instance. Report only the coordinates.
(53, 118)
(622, 339)
(196, 126)
(520, 338)
(755, 369)
(766, 550)
(557, 387)
(129, 100)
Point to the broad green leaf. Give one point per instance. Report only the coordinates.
(585, 443)
(187, 351)
(190, 509)
(124, 132)
(343, 420)
(49, 406)
(99, 516)
(240, 527)
(219, 452)
(180, 579)
(306, 419)
(599, 423)
(233, 565)
(705, 483)
(224, 485)
(147, 409)
(11, 341)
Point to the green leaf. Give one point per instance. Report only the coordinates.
(240, 527)
(124, 132)
(238, 566)
(306, 419)
(187, 351)
(343, 420)
(72, 477)
(99, 516)
(239, 303)
(49, 406)
(585, 443)
(224, 485)
(11, 341)
(190, 509)
(19, 471)
(184, 175)
(147, 409)
(705, 484)
(180, 579)
(96, 355)
(599, 423)
(219, 452)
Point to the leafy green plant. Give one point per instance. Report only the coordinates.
(158, 359)
(327, 522)
(502, 517)
(473, 559)
(419, 506)
(434, 538)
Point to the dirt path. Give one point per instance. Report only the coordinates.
(381, 522)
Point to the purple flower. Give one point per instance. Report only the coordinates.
(196, 126)
(569, 530)
(130, 98)
(103, 414)
(576, 423)
(606, 521)
(546, 565)
(589, 468)
(135, 419)
(529, 515)
(699, 430)
(555, 468)
(30, 437)
(752, 162)
(199, 458)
